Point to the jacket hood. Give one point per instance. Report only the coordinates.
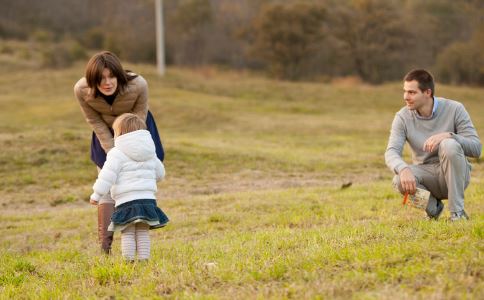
(137, 145)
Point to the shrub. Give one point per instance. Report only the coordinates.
(285, 36)
(94, 38)
(42, 36)
(462, 62)
(61, 55)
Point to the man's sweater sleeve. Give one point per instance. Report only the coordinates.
(108, 175)
(466, 134)
(396, 142)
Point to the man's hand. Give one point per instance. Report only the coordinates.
(433, 142)
(93, 202)
(407, 181)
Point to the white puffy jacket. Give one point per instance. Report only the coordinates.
(131, 169)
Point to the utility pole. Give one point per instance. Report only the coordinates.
(160, 44)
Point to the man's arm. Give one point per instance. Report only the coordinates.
(396, 141)
(393, 155)
(466, 134)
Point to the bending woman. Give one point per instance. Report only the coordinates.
(107, 91)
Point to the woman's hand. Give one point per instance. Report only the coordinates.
(93, 202)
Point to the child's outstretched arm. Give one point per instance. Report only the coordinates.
(108, 175)
(160, 170)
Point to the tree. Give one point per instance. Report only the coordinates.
(436, 24)
(463, 62)
(189, 23)
(285, 36)
(374, 37)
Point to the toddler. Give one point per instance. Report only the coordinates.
(130, 174)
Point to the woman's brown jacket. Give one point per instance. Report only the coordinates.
(100, 115)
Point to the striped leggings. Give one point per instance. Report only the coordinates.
(136, 238)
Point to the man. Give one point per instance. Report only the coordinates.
(440, 134)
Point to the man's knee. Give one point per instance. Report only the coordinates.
(397, 184)
(450, 148)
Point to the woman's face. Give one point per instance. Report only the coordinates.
(109, 83)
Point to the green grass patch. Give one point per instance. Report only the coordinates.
(255, 170)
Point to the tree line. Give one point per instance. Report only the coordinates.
(376, 40)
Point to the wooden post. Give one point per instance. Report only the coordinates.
(160, 44)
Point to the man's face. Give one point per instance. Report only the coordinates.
(414, 98)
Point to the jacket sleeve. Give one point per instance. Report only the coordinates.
(94, 119)
(396, 142)
(466, 134)
(107, 177)
(141, 106)
(160, 170)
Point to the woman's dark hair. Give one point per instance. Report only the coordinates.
(424, 79)
(106, 59)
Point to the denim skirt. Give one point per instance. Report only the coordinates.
(136, 211)
(98, 155)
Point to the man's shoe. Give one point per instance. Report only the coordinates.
(457, 216)
(438, 211)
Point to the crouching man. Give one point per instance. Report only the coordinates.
(441, 135)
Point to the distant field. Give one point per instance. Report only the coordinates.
(254, 175)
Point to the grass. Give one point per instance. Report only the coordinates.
(253, 191)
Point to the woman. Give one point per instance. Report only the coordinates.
(107, 91)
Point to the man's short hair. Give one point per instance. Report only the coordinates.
(424, 78)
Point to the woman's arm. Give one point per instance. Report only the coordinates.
(141, 106)
(93, 118)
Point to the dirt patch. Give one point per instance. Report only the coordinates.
(40, 198)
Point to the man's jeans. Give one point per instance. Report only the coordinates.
(446, 179)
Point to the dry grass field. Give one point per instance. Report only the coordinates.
(255, 169)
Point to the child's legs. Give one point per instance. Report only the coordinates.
(143, 240)
(128, 242)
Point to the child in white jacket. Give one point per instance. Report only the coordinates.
(130, 173)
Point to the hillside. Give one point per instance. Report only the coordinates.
(254, 175)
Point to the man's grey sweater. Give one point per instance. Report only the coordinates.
(450, 116)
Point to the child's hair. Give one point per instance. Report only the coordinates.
(127, 122)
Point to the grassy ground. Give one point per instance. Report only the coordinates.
(254, 175)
